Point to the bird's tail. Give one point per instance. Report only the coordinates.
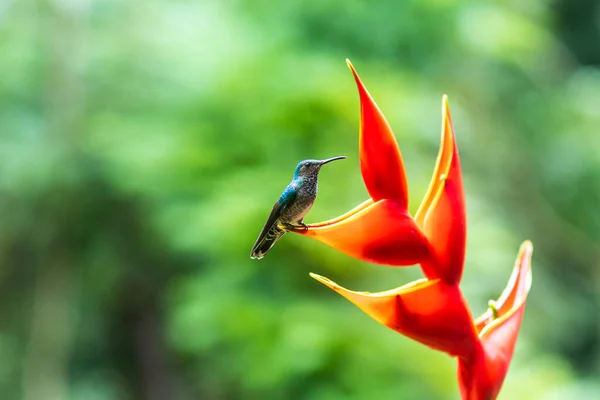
(265, 242)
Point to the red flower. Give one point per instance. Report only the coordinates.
(431, 311)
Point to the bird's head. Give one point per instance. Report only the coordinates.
(312, 167)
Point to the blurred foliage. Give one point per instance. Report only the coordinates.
(143, 144)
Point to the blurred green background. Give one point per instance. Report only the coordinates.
(143, 143)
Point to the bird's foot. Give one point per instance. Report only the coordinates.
(286, 226)
(301, 226)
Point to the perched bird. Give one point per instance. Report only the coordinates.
(297, 198)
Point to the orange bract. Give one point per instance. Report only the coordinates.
(428, 311)
(382, 232)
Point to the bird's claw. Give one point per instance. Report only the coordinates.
(292, 227)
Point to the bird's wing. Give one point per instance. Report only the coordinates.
(273, 217)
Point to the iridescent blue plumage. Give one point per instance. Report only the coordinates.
(295, 201)
(287, 194)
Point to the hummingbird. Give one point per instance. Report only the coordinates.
(295, 201)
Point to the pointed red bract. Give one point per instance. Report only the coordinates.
(380, 159)
(442, 215)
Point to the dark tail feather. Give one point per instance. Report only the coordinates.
(264, 243)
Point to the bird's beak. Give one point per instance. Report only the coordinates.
(332, 159)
